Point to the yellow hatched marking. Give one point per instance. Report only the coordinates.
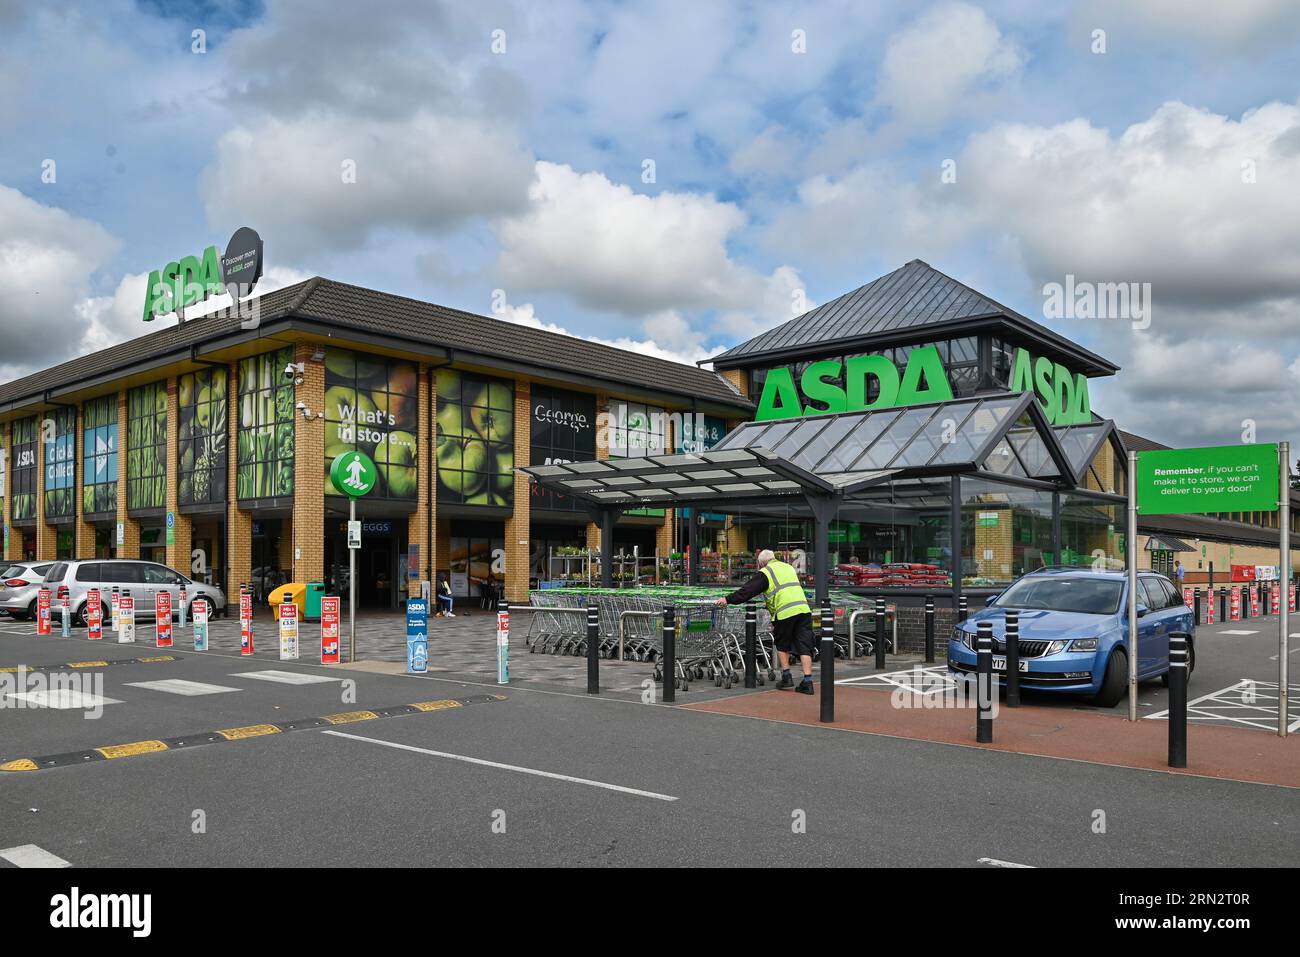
(22, 764)
(435, 705)
(251, 731)
(347, 717)
(132, 749)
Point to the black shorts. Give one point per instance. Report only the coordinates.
(794, 635)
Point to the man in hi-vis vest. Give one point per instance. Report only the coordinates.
(791, 615)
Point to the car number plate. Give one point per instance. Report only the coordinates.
(1000, 663)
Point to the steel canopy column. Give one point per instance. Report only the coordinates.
(1056, 528)
(822, 509)
(693, 546)
(607, 516)
(955, 518)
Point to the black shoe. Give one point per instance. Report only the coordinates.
(805, 686)
(786, 682)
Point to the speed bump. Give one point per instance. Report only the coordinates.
(156, 746)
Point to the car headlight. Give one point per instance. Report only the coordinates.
(1056, 647)
(1084, 644)
(963, 638)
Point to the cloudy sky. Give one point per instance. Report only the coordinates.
(676, 176)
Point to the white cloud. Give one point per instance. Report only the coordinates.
(1233, 26)
(615, 250)
(933, 66)
(47, 259)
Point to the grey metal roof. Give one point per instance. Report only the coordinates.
(355, 308)
(834, 454)
(912, 297)
(1167, 543)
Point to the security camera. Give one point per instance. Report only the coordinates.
(293, 370)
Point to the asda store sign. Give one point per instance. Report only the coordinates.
(832, 385)
(193, 279)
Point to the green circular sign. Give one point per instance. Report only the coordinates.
(353, 473)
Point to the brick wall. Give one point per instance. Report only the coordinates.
(417, 525)
(911, 629)
(178, 550)
(517, 526)
(994, 555)
(302, 541)
(737, 377)
(130, 546)
(239, 523)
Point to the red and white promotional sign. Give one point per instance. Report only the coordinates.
(1209, 607)
(94, 616)
(1290, 591)
(1187, 598)
(1234, 605)
(126, 618)
(288, 631)
(43, 612)
(329, 630)
(115, 608)
(163, 616)
(245, 624)
(1276, 604)
(1254, 603)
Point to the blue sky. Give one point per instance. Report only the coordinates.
(501, 153)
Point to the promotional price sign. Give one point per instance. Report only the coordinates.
(115, 609)
(417, 636)
(125, 618)
(65, 622)
(1254, 603)
(1276, 605)
(288, 631)
(94, 616)
(1290, 591)
(329, 630)
(1188, 600)
(503, 647)
(162, 606)
(43, 612)
(200, 624)
(245, 623)
(180, 622)
(1234, 604)
(1209, 607)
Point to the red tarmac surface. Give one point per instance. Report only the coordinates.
(1237, 754)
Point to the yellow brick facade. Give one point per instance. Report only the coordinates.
(738, 378)
(517, 530)
(302, 539)
(13, 548)
(417, 525)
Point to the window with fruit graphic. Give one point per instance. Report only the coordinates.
(60, 457)
(24, 469)
(476, 446)
(264, 453)
(372, 406)
(146, 446)
(201, 446)
(99, 456)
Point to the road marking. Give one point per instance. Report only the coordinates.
(181, 686)
(1238, 631)
(506, 767)
(348, 717)
(1229, 704)
(249, 731)
(29, 855)
(62, 699)
(285, 677)
(994, 862)
(132, 749)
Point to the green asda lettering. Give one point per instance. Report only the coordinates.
(1062, 394)
(183, 283)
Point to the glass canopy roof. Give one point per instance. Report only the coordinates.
(839, 454)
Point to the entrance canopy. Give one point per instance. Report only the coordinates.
(838, 454)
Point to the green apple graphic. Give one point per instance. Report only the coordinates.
(396, 455)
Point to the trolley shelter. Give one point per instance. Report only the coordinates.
(872, 465)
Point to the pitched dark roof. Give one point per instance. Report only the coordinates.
(364, 310)
(1139, 443)
(911, 297)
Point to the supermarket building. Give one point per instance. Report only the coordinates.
(206, 445)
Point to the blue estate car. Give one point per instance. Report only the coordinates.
(1074, 631)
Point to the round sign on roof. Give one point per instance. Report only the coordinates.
(241, 266)
(353, 473)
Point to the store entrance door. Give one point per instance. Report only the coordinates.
(377, 561)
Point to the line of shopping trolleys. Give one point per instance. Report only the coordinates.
(710, 639)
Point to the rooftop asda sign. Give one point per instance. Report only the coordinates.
(193, 279)
(832, 385)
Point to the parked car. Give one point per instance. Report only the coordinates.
(142, 579)
(19, 583)
(1074, 631)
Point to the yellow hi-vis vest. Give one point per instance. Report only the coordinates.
(784, 595)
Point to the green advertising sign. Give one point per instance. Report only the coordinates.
(1229, 478)
(354, 473)
(832, 385)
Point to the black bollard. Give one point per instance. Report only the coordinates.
(961, 608)
(929, 630)
(1013, 658)
(668, 661)
(828, 665)
(1196, 604)
(751, 642)
(593, 649)
(1177, 701)
(880, 633)
(984, 688)
(1223, 603)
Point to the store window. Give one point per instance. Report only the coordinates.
(636, 430)
(264, 456)
(477, 563)
(146, 447)
(99, 457)
(1089, 531)
(476, 450)
(202, 448)
(60, 460)
(372, 406)
(24, 469)
(563, 430)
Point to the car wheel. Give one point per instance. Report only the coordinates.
(1115, 681)
(31, 611)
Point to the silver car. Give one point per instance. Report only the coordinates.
(144, 580)
(19, 584)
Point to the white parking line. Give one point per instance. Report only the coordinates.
(285, 677)
(62, 699)
(181, 686)
(506, 767)
(994, 862)
(29, 855)
(1238, 631)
